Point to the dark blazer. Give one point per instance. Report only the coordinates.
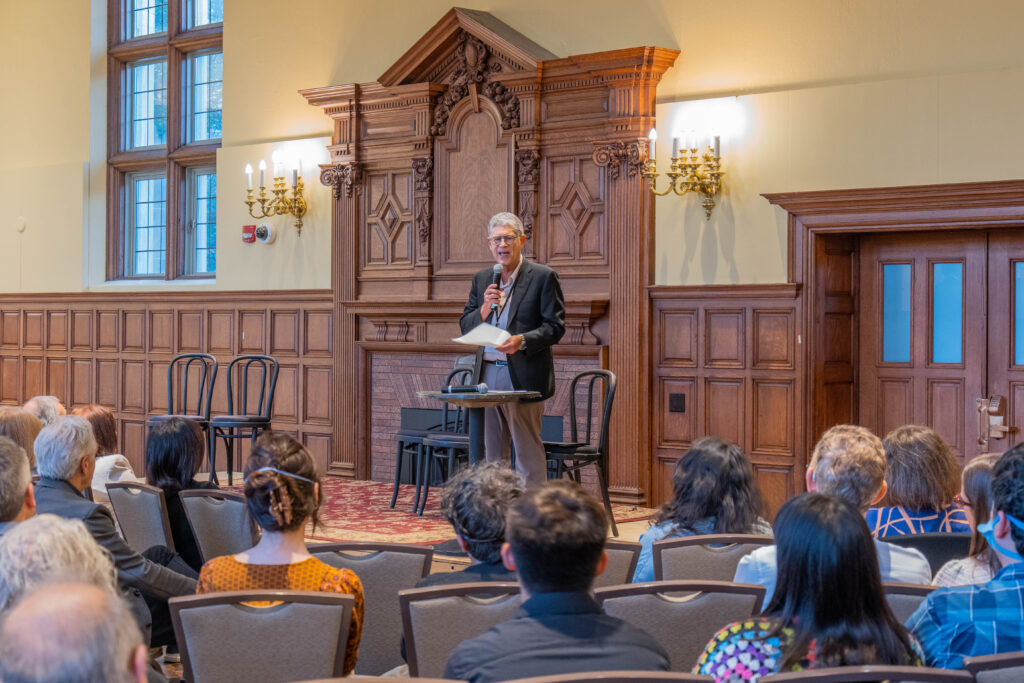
(537, 312)
(133, 570)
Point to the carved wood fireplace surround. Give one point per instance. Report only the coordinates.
(475, 119)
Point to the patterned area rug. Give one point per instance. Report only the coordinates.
(358, 511)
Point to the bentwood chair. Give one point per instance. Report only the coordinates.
(589, 445)
(198, 374)
(284, 636)
(712, 557)
(254, 408)
(141, 512)
(661, 608)
(384, 569)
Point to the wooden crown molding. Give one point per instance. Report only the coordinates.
(745, 291)
(925, 197)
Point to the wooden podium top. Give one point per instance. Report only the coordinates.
(477, 400)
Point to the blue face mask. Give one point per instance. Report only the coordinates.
(988, 531)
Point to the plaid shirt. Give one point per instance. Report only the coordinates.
(968, 621)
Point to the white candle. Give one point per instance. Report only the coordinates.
(248, 176)
(263, 168)
(675, 147)
(295, 177)
(718, 142)
(653, 138)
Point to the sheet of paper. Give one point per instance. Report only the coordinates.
(484, 334)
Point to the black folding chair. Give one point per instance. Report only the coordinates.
(253, 417)
(589, 446)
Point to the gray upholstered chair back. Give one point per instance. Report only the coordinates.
(681, 615)
(141, 512)
(904, 598)
(871, 674)
(384, 569)
(622, 558)
(619, 677)
(712, 557)
(1003, 668)
(298, 635)
(220, 521)
(436, 620)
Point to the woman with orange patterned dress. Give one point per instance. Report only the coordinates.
(283, 490)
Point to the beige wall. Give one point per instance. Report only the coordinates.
(836, 93)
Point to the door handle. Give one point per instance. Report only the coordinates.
(992, 419)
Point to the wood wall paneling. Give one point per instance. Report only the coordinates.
(81, 330)
(10, 329)
(56, 330)
(190, 331)
(33, 325)
(10, 387)
(107, 325)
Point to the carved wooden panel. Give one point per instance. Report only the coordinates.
(677, 338)
(56, 330)
(161, 331)
(252, 327)
(81, 331)
(133, 386)
(221, 332)
(157, 394)
(724, 414)
(774, 339)
(133, 331)
(576, 229)
(677, 428)
(724, 339)
(284, 332)
(10, 329)
(33, 324)
(944, 400)
(9, 376)
(776, 484)
(389, 238)
(316, 334)
(133, 443)
(107, 330)
(32, 381)
(81, 382)
(286, 395)
(57, 377)
(316, 402)
(320, 447)
(896, 404)
(190, 332)
(107, 383)
(773, 420)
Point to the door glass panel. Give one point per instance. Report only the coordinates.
(1018, 313)
(896, 313)
(947, 312)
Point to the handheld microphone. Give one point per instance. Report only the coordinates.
(496, 279)
(466, 389)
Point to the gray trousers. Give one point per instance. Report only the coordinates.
(517, 423)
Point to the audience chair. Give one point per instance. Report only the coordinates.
(904, 598)
(662, 608)
(220, 521)
(712, 557)
(589, 446)
(410, 441)
(436, 620)
(871, 673)
(141, 513)
(253, 415)
(618, 677)
(198, 374)
(223, 637)
(1002, 668)
(384, 569)
(938, 549)
(622, 559)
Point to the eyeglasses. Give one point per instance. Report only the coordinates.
(961, 501)
(502, 239)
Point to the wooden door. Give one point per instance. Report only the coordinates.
(1006, 329)
(923, 340)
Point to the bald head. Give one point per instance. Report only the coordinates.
(71, 633)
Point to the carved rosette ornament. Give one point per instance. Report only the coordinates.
(613, 155)
(423, 190)
(343, 177)
(475, 68)
(528, 176)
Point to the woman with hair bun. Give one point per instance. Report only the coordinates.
(282, 488)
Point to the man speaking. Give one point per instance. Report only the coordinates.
(526, 300)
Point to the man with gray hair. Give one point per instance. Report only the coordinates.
(849, 463)
(71, 633)
(17, 502)
(46, 408)
(66, 458)
(526, 300)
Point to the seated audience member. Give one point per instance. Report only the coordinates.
(923, 478)
(21, 427)
(556, 535)
(66, 455)
(715, 493)
(975, 497)
(973, 620)
(174, 454)
(282, 488)
(475, 502)
(71, 633)
(17, 502)
(848, 462)
(111, 466)
(828, 608)
(46, 408)
(45, 546)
